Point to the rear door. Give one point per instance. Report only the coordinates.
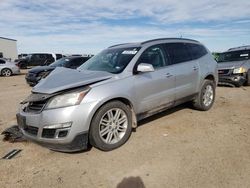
(154, 89)
(186, 69)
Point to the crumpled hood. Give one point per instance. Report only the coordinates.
(230, 64)
(63, 79)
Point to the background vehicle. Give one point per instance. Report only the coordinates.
(234, 66)
(101, 101)
(21, 56)
(37, 73)
(37, 59)
(8, 68)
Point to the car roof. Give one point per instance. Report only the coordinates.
(73, 57)
(239, 48)
(140, 44)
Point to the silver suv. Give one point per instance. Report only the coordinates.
(101, 101)
(234, 66)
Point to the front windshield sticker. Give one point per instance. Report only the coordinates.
(130, 52)
(243, 55)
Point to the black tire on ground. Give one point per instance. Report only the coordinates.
(248, 78)
(199, 102)
(94, 135)
(6, 72)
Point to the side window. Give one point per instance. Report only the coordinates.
(154, 55)
(196, 50)
(177, 52)
(59, 56)
(1, 54)
(76, 62)
(2, 61)
(35, 57)
(42, 56)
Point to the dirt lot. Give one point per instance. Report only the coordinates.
(178, 148)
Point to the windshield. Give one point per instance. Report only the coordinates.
(234, 56)
(60, 63)
(110, 60)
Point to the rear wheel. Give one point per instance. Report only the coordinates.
(111, 126)
(6, 72)
(205, 99)
(248, 78)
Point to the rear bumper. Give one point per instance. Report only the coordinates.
(236, 80)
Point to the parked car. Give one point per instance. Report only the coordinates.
(234, 66)
(37, 73)
(8, 68)
(21, 56)
(101, 101)
(38, 59)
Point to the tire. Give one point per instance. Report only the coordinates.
(105, 132)
(205, 99)
(6, 72)
(248, 78)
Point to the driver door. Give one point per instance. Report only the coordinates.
(155, 89)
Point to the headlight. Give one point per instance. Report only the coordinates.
(239, 70)
(67, 99)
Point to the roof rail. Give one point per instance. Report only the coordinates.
(168, 39)
(240, 47)
(119, 45)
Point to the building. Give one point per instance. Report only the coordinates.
(8, 48)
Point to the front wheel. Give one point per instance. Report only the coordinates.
(111, 126)
(248, 78)
(205, 99)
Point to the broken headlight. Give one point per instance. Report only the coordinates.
(67, 99)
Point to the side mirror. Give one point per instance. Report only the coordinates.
(145, 67)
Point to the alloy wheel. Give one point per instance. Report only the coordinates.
(113, 126)
(6, 72)
(208, 95)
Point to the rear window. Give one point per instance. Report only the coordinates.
(2, 61)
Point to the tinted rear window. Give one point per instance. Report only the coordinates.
(2, 61)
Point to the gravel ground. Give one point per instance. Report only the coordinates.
(177, 148)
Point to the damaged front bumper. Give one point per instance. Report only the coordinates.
(62, 129)
(235, 80)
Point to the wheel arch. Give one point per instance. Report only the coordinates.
(123, 100)
(6, 68)
(211, 77)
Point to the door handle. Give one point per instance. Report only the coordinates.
(168, 75)
(195, 68)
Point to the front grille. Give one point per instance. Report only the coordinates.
(31, 130)
(35, 106)
(48, 133)
(224, 71)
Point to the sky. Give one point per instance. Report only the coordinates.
(78, 26)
